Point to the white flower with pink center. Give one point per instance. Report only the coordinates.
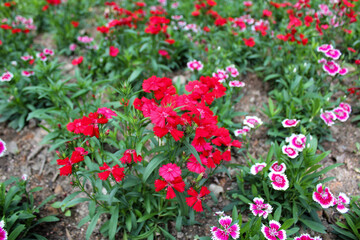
(259, 208)
(42, 56)
(236, 83)
(6, 77)
(343, 71)
(341, 114)
(177, 17)
(323, 60)
(290, 151)
(341, 201)
(221, 75)
(175, 5)
(278, 168)
(48, 51)
(331, 67)
(307, 237)
(346, 107)
(195, 65)
(2, 147)
(333, 53)
(242, 131)
(24, 177)
(252, 121)
(272, 232)
(324, 48)
(287, 123)
(279, 181)
(297, 141)
(27, 73)
(328, 117)
(232, 70)
(226, 229)
(258, 167)
(27, 57)
(323, 196)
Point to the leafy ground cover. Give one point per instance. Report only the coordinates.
(179, 120)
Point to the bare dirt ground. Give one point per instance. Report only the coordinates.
(27, 156)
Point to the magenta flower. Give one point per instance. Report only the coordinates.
(6, 77)
(27, 73)
(307, 237)
(345, 106)
(343, 71)
(341, 201)
(331, 67)
(252, 121)
(258, 167)
(333, 53)
(170, 171)
(272, 232)
(106, 112)
(47, 51)
(341, 114)
(276, 168)
(260, 208)
(328, 117)
(2, 147)
(297, 141)
(236, 83)
(324, 48)
(195, 65)
(323, 196)
(290, 151)
(3, 233)
(279, 181)
(226, 229)
(242, 131)
(287, 123)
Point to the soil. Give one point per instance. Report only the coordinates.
(26, 155)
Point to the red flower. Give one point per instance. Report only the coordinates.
(77, 61)
(194, 201)
(170, 41)
(44, 8)
(129, 155)
(76, 157)
(177, 183)
(267, 13)
(54, 2)
(116, 171)
(211, 3)
(113, 51)
(195, 13)
(357, 61)
(75, 24)
(308, 20)
(102, 29)
(206, 29)
(164, 53)
(249, 42)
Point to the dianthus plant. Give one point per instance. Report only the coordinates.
(147, 162)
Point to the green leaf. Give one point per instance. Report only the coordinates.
(167, 235)
(16, 232)
(277, 213)
(178, 224)
(317, 227)
(92, 225)
(113, 221)
(48, 219)
(128, 222)
(235, 214)
(193, 151)
(292, 231)
(352, 225)
(241, 197)
(153, 164)
(344, 232)
(135, 74)
(288, 223)
(144, 235)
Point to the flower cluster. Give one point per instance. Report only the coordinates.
(326, 199)
(296, 144)
(331, 67)
(227, 229)
(277, 176)
(259, 208)
(341, 113)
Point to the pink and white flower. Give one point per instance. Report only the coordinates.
(175, 5)
(242, 131)
(287, 123)
(195, 65)
(279, 181)
(27, 57)
(307, 237)
(260, 208)
(3, 233)
(323, 60)
(85, 39)
(258, 167)
(232, 70)
(278, 168)
(331, 67)
(328, 117)
(341, 201)
(341, 114)
(324, 48)
(323, 196)
(6, 77)
(27, 73)
(221, 75)
(272, 232)
(343, 71)
(290, 151)
(252, 121)
(226, 229)
(236, 83)
(297, 141)
(345, 106)
(42, 56)
(2, 147)
(333, 53)
(48, 51)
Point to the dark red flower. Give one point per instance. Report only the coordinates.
(75, 24)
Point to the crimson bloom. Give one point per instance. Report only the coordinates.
(249, 42)
(76, 157)
(177, 183)
(129, 155)
(195, 200)
(116, 171)
(77, 61)
(113, 51)
(75, 24)
(170, 171)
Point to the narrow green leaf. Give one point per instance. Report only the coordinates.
(153, 164)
